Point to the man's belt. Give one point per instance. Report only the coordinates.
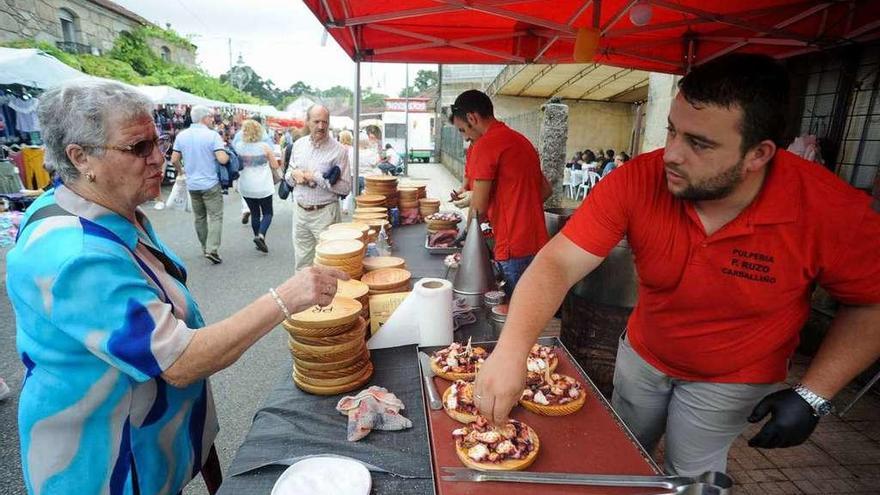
(314, 207)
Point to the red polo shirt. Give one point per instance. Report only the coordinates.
(516, 210)
(729, 307)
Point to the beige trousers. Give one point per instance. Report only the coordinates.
(307, 225)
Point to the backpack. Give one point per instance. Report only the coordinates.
(229, 172)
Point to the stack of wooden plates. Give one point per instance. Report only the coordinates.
(409, 197)
(384, 185)
(371, 209)
(342, 235)
(387, 280)
(345, 255)
(350, 225)
(329, 353)
(358, 216)
(370, 200)
(428, 206)
(442, 221)
(357, 290)
(377, 225)
(422, 191)
(378, 262)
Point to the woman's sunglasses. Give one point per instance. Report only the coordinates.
(140, 149)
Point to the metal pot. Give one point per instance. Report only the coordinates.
(555, 218)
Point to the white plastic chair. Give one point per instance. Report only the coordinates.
(577, 176)
(589, 182)
(566, 180)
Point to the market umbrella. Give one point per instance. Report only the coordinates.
(34, 68)
(653, 35)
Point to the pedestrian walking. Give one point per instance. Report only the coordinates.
(200, 148)
(256, 183)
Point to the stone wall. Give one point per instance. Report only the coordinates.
(96, 26)
(179, 54)
(591, 124)
(662, 88)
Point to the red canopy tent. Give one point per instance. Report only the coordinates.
(674, 34)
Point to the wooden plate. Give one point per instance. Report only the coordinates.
(341, 311)
(341, 235)
(303, 364)
(369, 198)
(358, 382)
(369, 216)
(355, 261)
(371, 209)
(346, 344)
(385, 278)
(429, 201)
(377, 262)
(349, 225)
(339, 250)
(381, 178)
(330, 379)
(352, 289)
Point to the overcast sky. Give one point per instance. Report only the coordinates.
(279, 39)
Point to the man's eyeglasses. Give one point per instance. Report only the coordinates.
(140, 149)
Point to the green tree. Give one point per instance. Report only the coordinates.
(371, 100)
(424, 79)
(300, 88)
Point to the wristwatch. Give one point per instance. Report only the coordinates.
(821, 406)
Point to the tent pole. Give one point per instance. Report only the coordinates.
(406, 119)
(355, 186)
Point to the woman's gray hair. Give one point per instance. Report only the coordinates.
(82, 112)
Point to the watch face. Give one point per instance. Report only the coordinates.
(825, 408)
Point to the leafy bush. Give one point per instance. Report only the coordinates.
(132, 61)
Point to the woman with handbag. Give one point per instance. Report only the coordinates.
(260, 171)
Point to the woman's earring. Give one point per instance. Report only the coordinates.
(90, 176)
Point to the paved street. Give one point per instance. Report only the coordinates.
(220, 291)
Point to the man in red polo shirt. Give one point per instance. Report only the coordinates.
(730, 233)
(508, 186)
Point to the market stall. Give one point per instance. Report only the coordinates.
(293, 424)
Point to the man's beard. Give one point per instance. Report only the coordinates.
(717, 187)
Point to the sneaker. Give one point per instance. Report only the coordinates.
(214, 257)
(261, 244)
(160, 205)
(245, 217)
(4, 389)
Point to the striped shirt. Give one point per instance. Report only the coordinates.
(99, 318)
(319, 158)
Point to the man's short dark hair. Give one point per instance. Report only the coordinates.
(388, 146)
(471, 101)
(757, 84)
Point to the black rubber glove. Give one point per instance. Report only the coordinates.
(791, 420)
(459, 241)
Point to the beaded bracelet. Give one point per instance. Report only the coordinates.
(279, 302)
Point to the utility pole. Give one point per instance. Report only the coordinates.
(230, 52)
(406, 136)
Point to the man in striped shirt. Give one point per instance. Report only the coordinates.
(319, 176)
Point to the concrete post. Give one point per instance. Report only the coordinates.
(553, 141)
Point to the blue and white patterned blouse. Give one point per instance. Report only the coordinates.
(99, 319)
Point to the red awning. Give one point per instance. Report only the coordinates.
(678, 32)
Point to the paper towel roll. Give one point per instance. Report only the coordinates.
(424, 318)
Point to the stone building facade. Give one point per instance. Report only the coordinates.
(83, 26)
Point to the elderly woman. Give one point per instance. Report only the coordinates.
(116, 397)
(256, 183)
